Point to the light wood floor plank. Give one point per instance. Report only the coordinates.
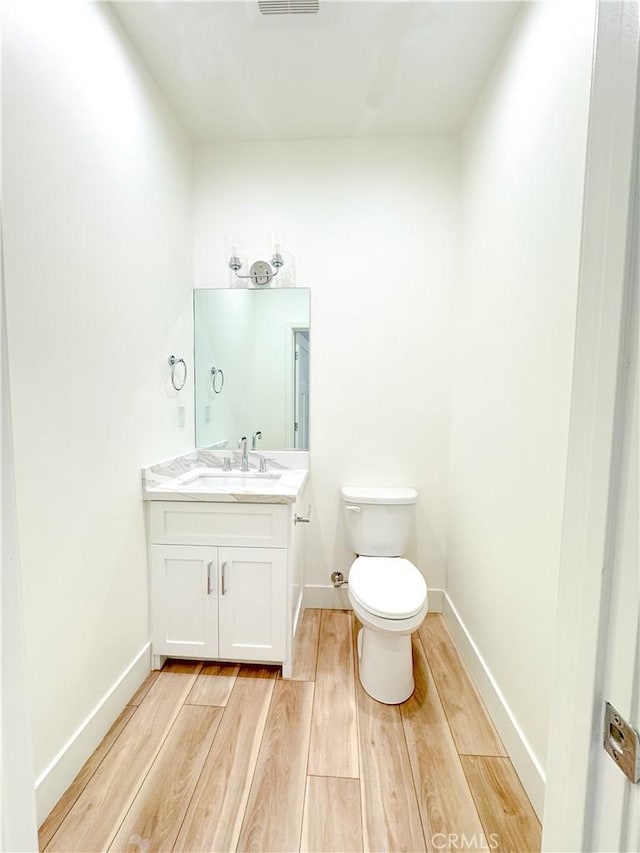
(306, 646)
(444, 798)
(257, 670)
(180, 666)
(390, 815)
(162, 777)
(510, 823)
(64, 804)
(214, 684)
(153, 821)
(99, 810)
(472, 729)
(355, 627)
(215, 815)
(144, 688)
(273, 819)
(333, 750)
(332, 820)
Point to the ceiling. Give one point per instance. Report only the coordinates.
(356, 68)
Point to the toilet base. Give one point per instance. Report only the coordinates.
(386, 665)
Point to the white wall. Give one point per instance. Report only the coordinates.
(372, 226)
(18, 822)
(523, 158)
(97, 214)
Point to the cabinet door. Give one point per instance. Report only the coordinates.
(184, 600)
(253, 599)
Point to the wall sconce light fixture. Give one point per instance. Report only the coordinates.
(260, 272)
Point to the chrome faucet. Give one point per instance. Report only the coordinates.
(262, 462)
(242, 444)
(257, 435)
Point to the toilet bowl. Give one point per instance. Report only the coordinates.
(387, 592)
(389, 597)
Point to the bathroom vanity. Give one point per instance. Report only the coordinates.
(225, 558)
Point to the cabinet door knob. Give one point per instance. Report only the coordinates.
(209, 584)
(224, 578)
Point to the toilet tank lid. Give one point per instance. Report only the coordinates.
(369, 495)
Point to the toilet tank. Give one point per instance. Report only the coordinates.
(379, 521)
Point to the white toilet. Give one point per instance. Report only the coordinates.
(388, 593)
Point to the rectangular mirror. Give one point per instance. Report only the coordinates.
(252, 367)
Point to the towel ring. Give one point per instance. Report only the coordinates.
(217, 371)
(173, 363)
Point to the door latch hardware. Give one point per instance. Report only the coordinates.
(622, 742)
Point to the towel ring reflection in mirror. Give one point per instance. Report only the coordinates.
(217, 387)
(173, 363)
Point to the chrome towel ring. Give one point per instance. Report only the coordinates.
(173, 363)
(217, 387)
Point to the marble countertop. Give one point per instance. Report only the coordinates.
(199, 476)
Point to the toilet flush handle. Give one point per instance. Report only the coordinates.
(299, 519)
(353, 508)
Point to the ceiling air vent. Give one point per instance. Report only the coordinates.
(288, 7)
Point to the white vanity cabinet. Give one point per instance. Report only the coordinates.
(224, 580)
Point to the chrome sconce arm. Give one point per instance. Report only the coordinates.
(260, 272)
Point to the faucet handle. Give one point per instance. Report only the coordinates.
(263, 465)
(226, 465)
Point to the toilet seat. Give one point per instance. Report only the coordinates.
(387, 587)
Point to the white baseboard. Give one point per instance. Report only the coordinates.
(327, 597)
(436, 599)
(524, 759)
(56, 778)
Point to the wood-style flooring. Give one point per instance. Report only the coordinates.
(232, 757)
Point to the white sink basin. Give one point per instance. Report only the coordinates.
(211, 478)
